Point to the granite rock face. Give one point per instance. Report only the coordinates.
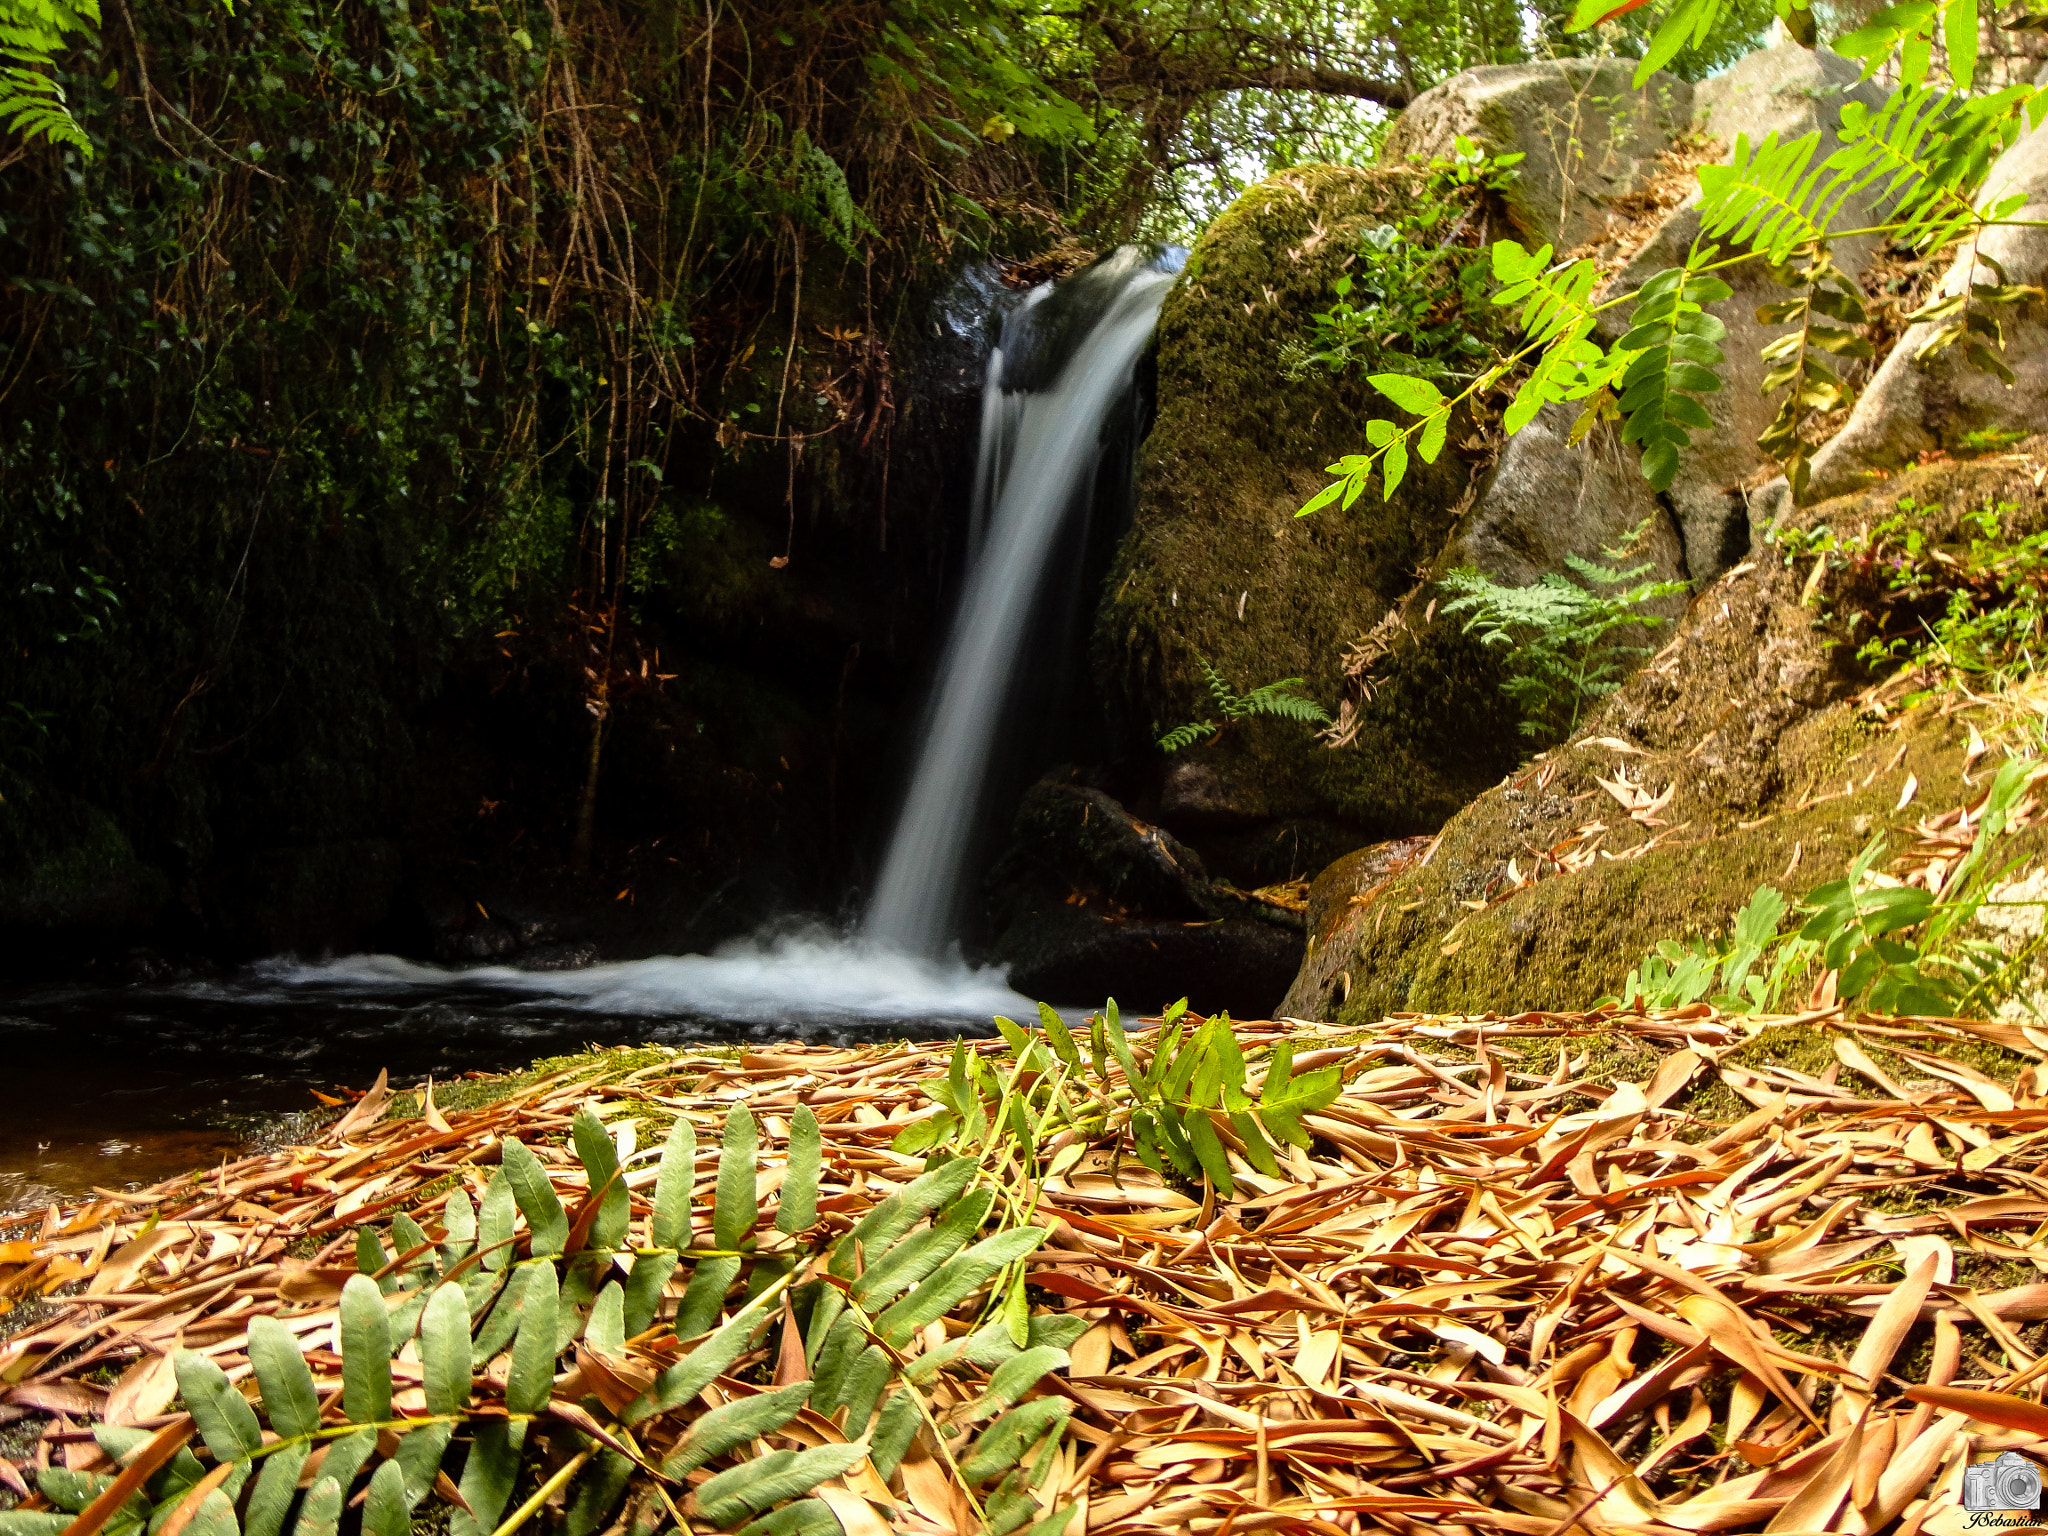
(1912, 407)
(1589, 140)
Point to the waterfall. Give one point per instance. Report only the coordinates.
(1038, 452)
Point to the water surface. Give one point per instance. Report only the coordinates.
(119, 1086)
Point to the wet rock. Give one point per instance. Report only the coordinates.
(1590, 138)
(1335, 897)
(1090, 901)
(1070, 838)
(1071, 955)
(1195, 795)
(484, 939)
(574, 955)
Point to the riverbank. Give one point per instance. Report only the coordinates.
(1678, 1272)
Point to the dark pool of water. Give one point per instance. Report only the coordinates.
(118, 1087)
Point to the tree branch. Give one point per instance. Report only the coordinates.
(1323, 82)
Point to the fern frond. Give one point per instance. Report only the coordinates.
(1764, 195)
(33, 106)
(1186, 735)
(1282, 700)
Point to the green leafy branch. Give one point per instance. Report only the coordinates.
(1920, 158)
(1184, 1098)
(491, 1330)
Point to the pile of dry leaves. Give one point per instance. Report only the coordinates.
(1507, 1288)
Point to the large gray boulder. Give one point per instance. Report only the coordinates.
(1590, 139)
(1546, 498)
(1910, 407)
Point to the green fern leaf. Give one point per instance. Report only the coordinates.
(226, 1421)
(33, 106)
(320, 1513)
(954, 1281)
(1672, 340)
(674, 1182)
(600, 1159)
(736, 1208)
(365, 1352)
(696, 1370)
(287, 1385)
(547, 1222)
(797, 1205)
(444, 1350)
(910, 1260)
(385, 1511)
(276, 1486)
(488, 1477)
(753, 1486)
(532, 1376)
(806, 1517)
(495, 1221)
(644, 1290)
(732, 1425)
(1003, 1444)
(1185, 735)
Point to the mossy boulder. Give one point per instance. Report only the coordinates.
(1217, 567)
(1742, 756)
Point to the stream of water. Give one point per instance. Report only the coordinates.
(110, 1087)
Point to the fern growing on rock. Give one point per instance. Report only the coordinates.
(1559, 636)
(1911, 170)
(1281, 700)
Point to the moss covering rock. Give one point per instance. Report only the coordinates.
(1217, 567)
(1743, 732)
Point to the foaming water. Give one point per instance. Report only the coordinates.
(791, 978)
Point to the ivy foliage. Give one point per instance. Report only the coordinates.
(550, 1354)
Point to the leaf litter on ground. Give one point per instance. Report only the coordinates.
(1499, 1290)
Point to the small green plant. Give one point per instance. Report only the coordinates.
(1402, 309)
(1277, 699)
(1891, 948)
(1558, 634)
(1994, 596)
(1179, 1098)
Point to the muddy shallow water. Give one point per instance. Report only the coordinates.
(114, 1087)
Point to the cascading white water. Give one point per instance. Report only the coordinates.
(1041, 439)
(1038, 452)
